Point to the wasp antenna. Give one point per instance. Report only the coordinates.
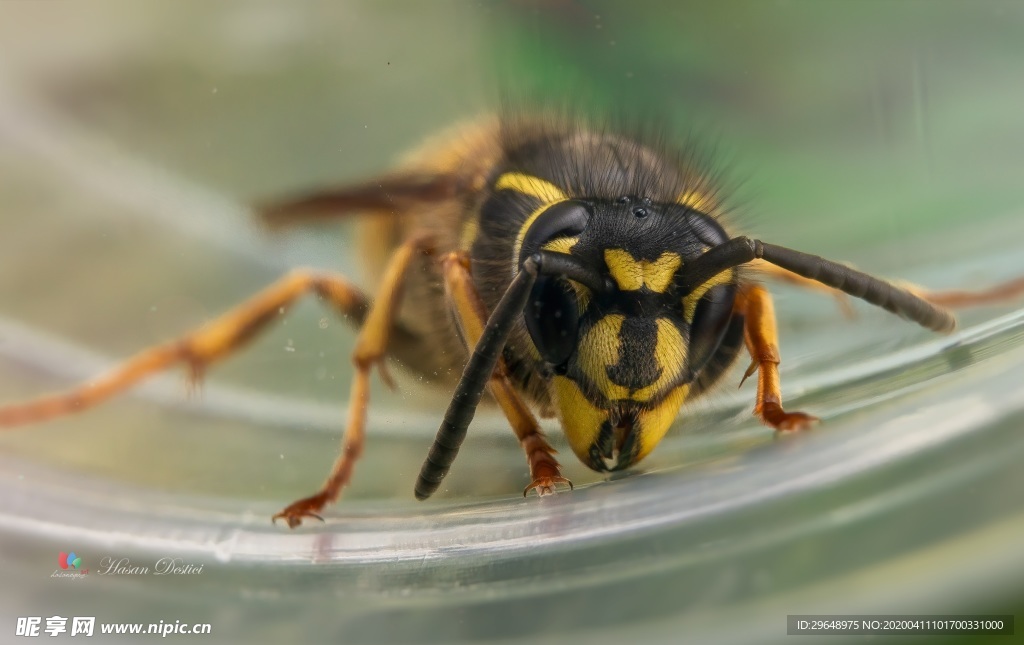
(481, 364)
(860, 285)
(717, 259)
(566, 266)
(474, 378)
(838, 276)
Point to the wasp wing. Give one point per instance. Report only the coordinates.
(384, 194)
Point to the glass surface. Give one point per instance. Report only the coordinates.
(133, 134)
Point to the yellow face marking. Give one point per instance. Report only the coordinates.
(561, 244)
(655, 422)
(691, 300)
(631, 274)
(581, 420)
(548, 193)
(670, 353)
(625, 270)
(598, 349)
(565, 245)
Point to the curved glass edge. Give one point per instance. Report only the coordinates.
(50, 504)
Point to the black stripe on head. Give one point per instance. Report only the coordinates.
(638, 365)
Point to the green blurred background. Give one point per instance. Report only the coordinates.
(132, 134)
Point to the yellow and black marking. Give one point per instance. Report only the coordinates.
(631, 274)
(631, 358)
(546, 194)
(619, 356)
(541, 192)
(692, 299)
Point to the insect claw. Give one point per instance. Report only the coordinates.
(750, 372)
(294, 512)
(786, 422)
(546, 485)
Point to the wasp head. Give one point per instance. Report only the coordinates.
(622, 355)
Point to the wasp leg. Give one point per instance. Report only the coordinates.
(778, 273)
(472, 316)
(754, 303)
(215, 340)
(957, 298)
(226, 334)
(369, 351)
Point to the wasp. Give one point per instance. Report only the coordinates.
(571, 270)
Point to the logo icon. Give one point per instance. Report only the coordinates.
(66, 560)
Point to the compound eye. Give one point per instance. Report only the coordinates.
(553, 320)
(552, 314)
(564, 219)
